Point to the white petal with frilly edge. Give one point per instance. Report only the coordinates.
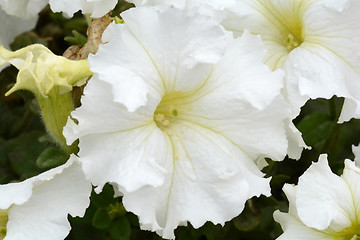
(39, 206)
(177, 119)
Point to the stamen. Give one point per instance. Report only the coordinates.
(291, 42)
(167, 111)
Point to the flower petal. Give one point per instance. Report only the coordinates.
(356, 151)
(326, 204)
(234, 101)
(326, 75)
(292, 226)
(351, 175)
(25, 9)
(97, 8)
(40, 70)
(12, 26)
(105, 115)
(131, 158)
(141, 61)
(209, 179)
(53, 195)
(106, 127)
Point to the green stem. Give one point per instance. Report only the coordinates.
(55, 110)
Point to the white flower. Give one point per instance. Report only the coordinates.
(25, 9)
(175, 117)
(316, 42)
(97, 8)
(323, 205)
(37, 208)
(12, 26)
(217, 10)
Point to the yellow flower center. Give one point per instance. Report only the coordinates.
(291, 42)
(3, 221)
(350, 233)
(168, 109)
(287, 18)
(284, 29)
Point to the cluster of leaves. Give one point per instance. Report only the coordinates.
(26, 150)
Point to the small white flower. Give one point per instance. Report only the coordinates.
(323, 205)
(316, 42)
(25, 9)
(175, 117)
(97, 8)
(37, 208)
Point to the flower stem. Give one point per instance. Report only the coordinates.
(55, 110)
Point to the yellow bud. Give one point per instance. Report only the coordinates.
(40, 70)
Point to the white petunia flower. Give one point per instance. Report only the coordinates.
(37, 208)
(175, 117)
(323, 205)
(316, 42)
(26, 9)
(218, 10)
(97, 8)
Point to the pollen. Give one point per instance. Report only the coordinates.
(291, 42)
(167, 111)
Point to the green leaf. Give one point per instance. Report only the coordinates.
(247, 220)
(77, 39)
(3, 158)
(116, 210)
(120, 229)
(133, 219)
(51, 157)
(101, 219)
(27, 39)
(9, 120)
(23, 151)
(103, 199)
(6, 174)
(315, 129)
(280, 179)
(208, 230)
